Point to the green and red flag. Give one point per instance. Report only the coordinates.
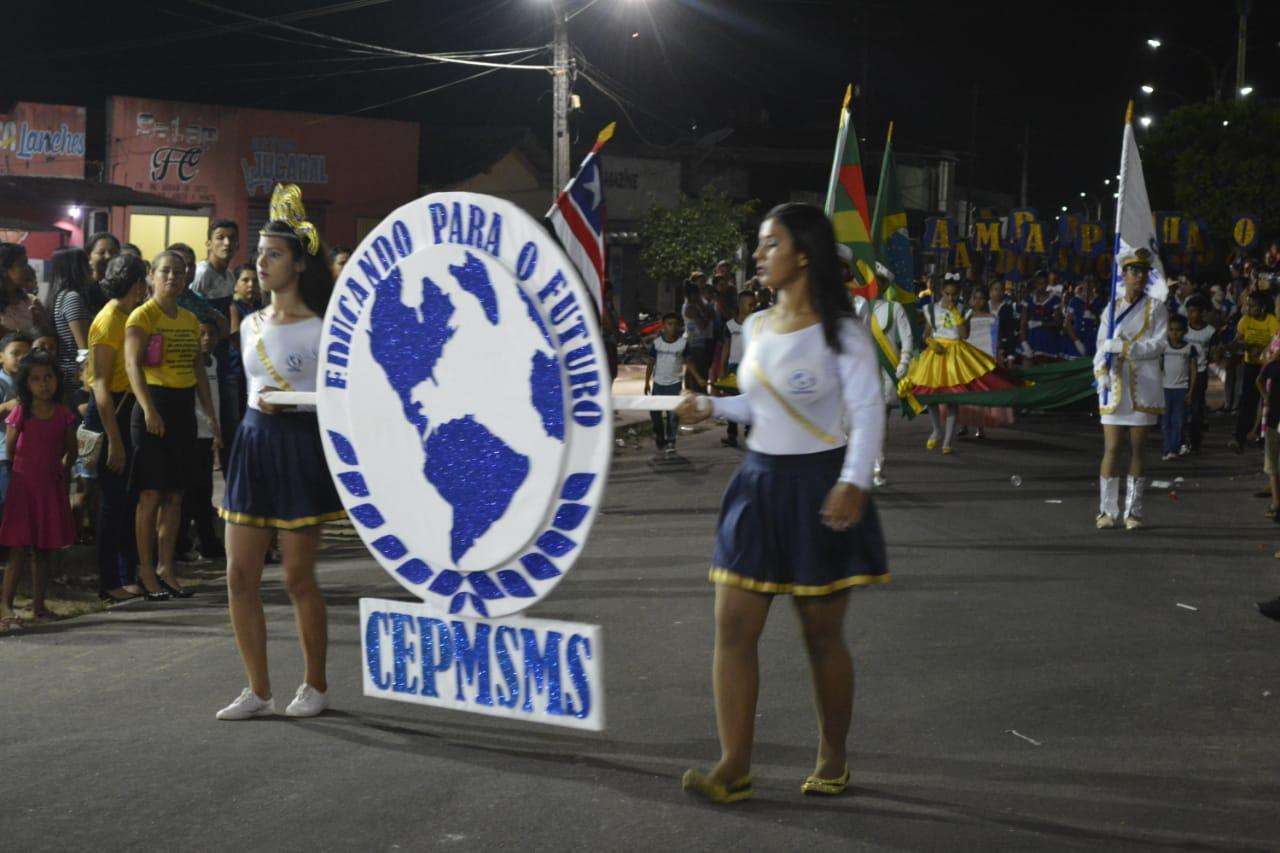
(847, 205)
(889, 222)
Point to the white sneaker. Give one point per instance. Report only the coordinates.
(1184, 450)
(247, 706)
(308, 702)
(878, 480)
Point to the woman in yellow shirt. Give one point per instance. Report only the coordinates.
(125, 283)
(1253, 333)
(166, 372)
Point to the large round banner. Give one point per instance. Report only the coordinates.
(464, 401)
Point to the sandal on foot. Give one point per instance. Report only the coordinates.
(10, 623)
(826, 787)
(39, 617)
(705, 786)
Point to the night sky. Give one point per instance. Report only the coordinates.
(771, 70)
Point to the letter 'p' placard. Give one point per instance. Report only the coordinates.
(536, 670)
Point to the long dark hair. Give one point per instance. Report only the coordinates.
(35, 359)
(813, 236)
(316, 281)
(69, 272)
(11, 255)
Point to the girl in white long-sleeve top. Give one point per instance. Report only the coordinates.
(1130, 388)
(798, 517)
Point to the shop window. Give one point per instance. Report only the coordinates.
(152, 232)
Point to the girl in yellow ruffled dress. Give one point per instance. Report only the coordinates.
(949, 364)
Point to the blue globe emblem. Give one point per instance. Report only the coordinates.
(462, 452)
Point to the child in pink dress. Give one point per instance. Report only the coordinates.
(42, 445)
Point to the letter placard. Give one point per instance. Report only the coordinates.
(536, 670)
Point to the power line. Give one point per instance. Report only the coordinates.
(432, 90)
(206, 31)
(437, 57)
(604, 90)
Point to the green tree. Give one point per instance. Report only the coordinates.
(692, 235)
(1212, 171)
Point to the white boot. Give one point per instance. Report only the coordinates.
(1109, 503)
(1133, 502)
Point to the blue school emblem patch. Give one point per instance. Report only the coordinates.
(465, 404)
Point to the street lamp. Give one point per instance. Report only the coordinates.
(1217, 76)
(1246, 90)
(1147, 88)
(1145, 121)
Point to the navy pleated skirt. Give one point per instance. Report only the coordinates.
(771, 538)
(277, 476)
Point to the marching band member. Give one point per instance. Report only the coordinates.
(894, 344)
(1127, 365)
(277, 478)
(798, 517)
(949, 364)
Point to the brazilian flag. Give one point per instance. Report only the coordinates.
(889, 222)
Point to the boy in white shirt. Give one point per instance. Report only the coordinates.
(669, 358)
(1180, 374)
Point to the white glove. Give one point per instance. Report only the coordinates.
(1026, 349)
(1115, 346)
(1080, 347)
(901, 372)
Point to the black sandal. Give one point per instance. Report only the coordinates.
(173, 590)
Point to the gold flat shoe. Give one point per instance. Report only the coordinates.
(931, 444)
(697, 782)
(826, 787)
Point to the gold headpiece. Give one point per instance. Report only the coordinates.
(286, 206)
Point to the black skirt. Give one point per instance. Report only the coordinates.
(277, 475)
(166, 462)
(771, 538)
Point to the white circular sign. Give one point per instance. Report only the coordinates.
(464, 399)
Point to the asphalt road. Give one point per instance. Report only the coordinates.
(1026, 682)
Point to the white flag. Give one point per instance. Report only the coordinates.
(1134, 226)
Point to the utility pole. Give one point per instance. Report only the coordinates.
(560, 84)
(1243, 6)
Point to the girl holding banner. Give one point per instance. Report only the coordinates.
(1127, 366)
(798, 517)
(277, 478)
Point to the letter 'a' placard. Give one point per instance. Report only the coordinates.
(537, 670)
(464, 402)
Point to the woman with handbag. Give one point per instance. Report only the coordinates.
(105, 443)
(166, 373)
(798, 517)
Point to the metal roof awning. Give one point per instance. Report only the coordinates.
(10, 223)
(78, 191)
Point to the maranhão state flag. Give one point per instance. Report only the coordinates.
(578, 219)
(847, 205)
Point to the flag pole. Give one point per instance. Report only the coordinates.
(1116, 272)
(842, 134)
